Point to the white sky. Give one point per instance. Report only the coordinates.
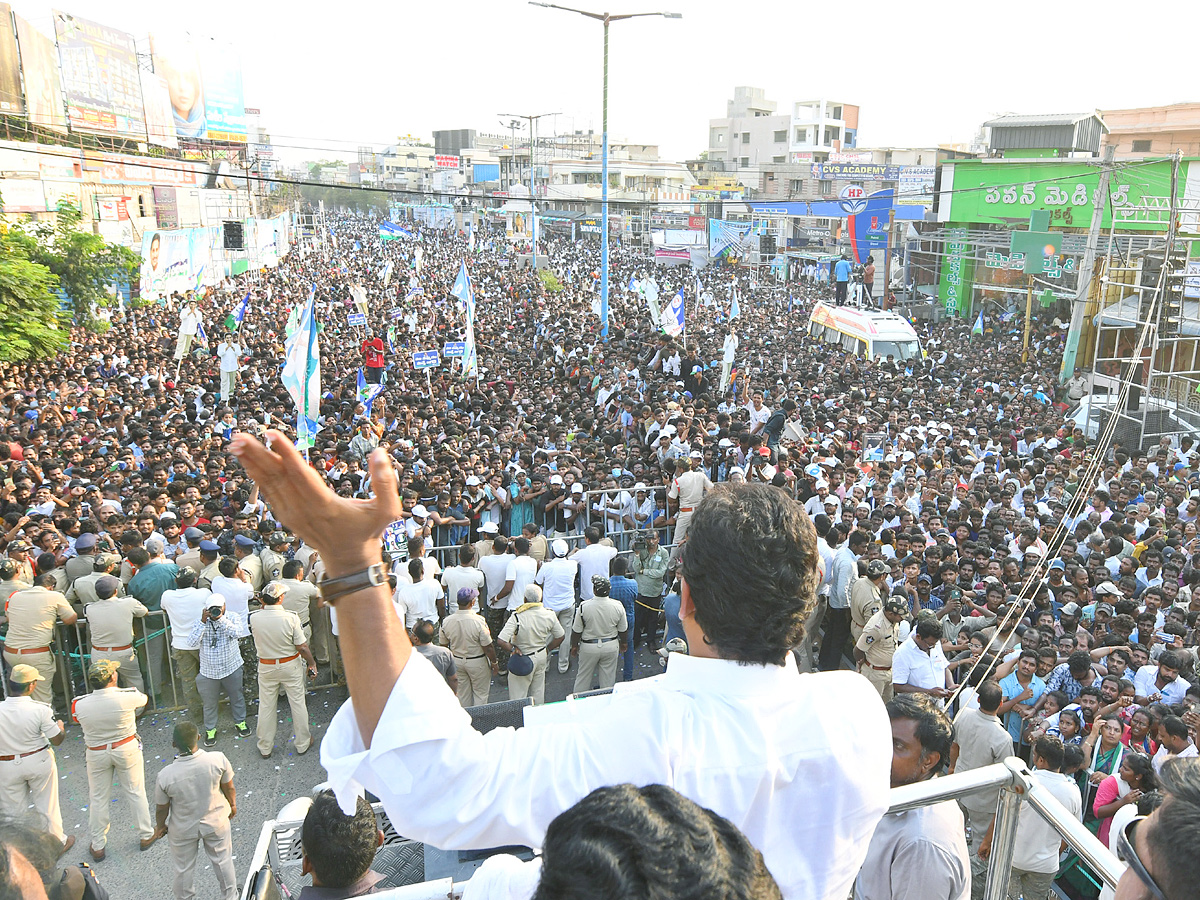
(365, 71)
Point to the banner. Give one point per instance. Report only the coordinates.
(869, 229)
(166, 207)
(175, 61)
(266, 244)
(160, 121)
(850, 171)
(166, 264)
(954, 289)
(43, 88)
(916, 185)
(10, 66)
(728, 238)
(224, 105)
(100, 74)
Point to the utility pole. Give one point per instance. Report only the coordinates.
(1084, 281)
(532, 176)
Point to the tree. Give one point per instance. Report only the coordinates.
(86, 264)
(31, 320)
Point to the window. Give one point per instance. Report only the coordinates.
(716, 137)
(1141, 146)
(744, 162)
(835, 113)
(781, 137)
(745, 137)
(779, 159)
(826, 188)
(801, 135)
(796, 185)
(835, 133)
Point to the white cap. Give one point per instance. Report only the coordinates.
(696, 454)
(556, 479)
(559, 547)
(420, 511)
(472, 481)
(640, 486)
(489, 528)
(577, 488)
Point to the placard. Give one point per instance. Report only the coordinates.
(455, 349)
(425, 359)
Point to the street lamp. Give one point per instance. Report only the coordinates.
(606, 18)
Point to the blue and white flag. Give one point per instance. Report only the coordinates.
(462, 290)
(673, 319)
(302, 374)
(367, 392)
(735, 308)
(389, 232)
(200, 335)
(233, 321)
(977, 328)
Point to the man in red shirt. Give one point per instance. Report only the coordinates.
(372, 350)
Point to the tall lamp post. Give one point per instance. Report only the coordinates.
(606, 18)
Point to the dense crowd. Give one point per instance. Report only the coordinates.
(974, 541)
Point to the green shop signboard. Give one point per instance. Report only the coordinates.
(1003, 193)
(958, 271)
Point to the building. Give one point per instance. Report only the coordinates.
(1060, 135)
(822, 126)
(1153, 130)
(751, 134)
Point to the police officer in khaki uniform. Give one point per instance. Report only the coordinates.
(110, 629)
(532, 631)
(598, 636)
(194, 800)
(31, 616)
(466, 634)
(301, 597)
(875, 646)
(82, 562)
(274, 556)
(28, 771)
(108, 716)
(248, 561)
(9, 583)
(18, 552)
(687, 490)
(210, 563)
(866, 596)
(83, 591)
(191, 556)
(280, 644)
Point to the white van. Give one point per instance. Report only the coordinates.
(868, 333)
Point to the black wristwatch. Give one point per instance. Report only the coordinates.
(334, 588)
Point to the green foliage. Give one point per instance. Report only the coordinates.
(85, 263)
(31, 324)
(550, 281)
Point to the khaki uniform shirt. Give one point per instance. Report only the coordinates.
(189, 558)
(110, 622)
(272, 565)
(538, 627)
(191, 784)
(61, 582)
(277, 632)
(253, 567)
(31, 617)
(465, 633)
(482, 549)
(25, 725)
(864, 602)
(689, 489)
(8, 588)
(878, 640)
(600, 618)
(209, 572)
(83, 591)
(108, 715)
(538, 547)
(78, 566)
(298, 597)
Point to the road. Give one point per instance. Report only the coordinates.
(263, 786)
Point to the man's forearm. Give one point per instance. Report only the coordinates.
(160, 814)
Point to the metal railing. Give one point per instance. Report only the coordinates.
(278, 843)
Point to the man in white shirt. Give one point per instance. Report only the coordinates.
(229, 352)
(189, 322)
(1036, 852)
(919, 665)
(234, 585)
(728, 353)
(183, 607)
(1176, 742)
(421, 600)
(464, 575)
(518, 574)
(1161, 682)
(559, 579)
(733, 726)
(593, 559)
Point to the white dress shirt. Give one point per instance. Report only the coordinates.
(799, 763)
(912, 665)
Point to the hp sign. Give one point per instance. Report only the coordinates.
(853, 199)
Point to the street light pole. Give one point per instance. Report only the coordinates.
(606, 18)
(532, 176)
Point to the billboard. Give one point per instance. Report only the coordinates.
(175, 61)
(100, 74)
(10, 66)
(43, 89)
(160, 122)
(224, 107)
(848, 171)
(916, 184)
(166, 207)
(166, 263)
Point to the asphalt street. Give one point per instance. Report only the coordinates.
(263, 786)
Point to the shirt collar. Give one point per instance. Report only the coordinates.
(701, 675)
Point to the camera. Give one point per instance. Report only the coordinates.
(214, 612)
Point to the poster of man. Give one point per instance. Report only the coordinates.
(166, 263)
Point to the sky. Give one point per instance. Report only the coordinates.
(332, 76)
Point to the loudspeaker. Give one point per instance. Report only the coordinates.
(234, 236)
(766, 245)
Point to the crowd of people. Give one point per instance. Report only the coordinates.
(968, 540)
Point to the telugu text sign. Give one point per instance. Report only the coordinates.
(425, 359)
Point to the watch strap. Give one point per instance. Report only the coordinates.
(334, 588)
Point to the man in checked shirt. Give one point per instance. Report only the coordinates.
(220, 667)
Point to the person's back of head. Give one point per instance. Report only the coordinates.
(138, 557)
(228, 566)
(750, 566)
(1172, 833)
(338, 849)
(292, 569)
(649, 842)
(423, 632)
(990, 697)
(28, 860)
(416, 570)
(521, 546)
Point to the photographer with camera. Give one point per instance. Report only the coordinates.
(220, 667)
(649, 567)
